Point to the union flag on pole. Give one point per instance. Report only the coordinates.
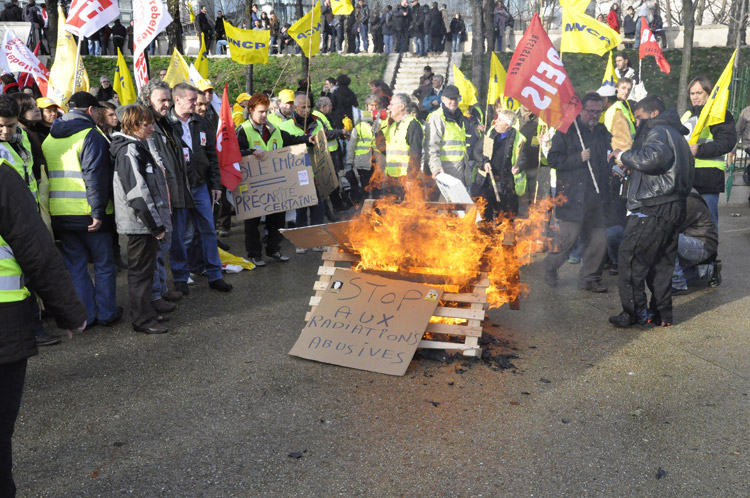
(227, 146)
(649, 46)
(537, 78)
(86, 17)
(150, 17)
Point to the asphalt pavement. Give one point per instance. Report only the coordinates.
(216, 408)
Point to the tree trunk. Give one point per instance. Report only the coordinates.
(52, 28)
(477, 45)
(699, 10)
(687, 54)
(174, 30)
(489, 25)
(737, 23)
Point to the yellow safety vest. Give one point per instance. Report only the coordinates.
(275, 119)
(12, 288)
(453, 144)
(609, 116)
(255, 140)
(704, 137)
(23, 165)
(365, 139)
(67, 189)
(396, 148)
(333, 144)
(290, 127)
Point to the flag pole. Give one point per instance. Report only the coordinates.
(78, 59)
(583, 147)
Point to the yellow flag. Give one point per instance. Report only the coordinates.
(341, 7)
(466, 88)
(247, 46)
(610, 77)
(496, 89)
(122, 82)
(178, 71)
(576, 5)
(191, 12)
(585, 35)
(201, 62)
(715, 110)
(64, 80)
(306, 31)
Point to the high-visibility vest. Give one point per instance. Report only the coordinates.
(275, 119)
(453, 144)
(705, 137)
(23, 165)
(396, 148)
(67, 189)
(291, 127)
(609, 116)
(12, 288)
(332, 144)
(365, 139)
(519, 179)
(255, 140)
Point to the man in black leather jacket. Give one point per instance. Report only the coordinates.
(661, 175)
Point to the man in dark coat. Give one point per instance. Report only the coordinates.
(119, 32)
(437, 28)
(12, 12)
(205, 27)
(26, 245)
(342, 99)
(661, 170)
(582, 176)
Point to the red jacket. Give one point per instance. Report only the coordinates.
(612, 20)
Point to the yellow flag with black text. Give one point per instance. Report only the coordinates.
(64, 80)
(585, 35)
(248, 46)
(466, 89)
(610, 77)
(341, 7)
(178, 70)
(122, 82)
(496, 88)
(306, 31)
(201, 62)
(715, 110)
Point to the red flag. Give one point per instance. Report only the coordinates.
(27, 79)
(649, 46)
(227, 146)
(537, 78)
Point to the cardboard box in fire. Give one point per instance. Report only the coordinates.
(326, 180)
(453, 190)
(368, 322)
(281, 181)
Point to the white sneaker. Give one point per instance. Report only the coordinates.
(300, 250)
(319, 249)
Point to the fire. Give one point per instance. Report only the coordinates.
(424, 240)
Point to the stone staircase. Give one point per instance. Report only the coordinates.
(411, 68)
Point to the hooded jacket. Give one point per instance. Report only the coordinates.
(661, 163)
(12, 13)
(95, 166)
(169, 149)
(140, 187)
(202, 163)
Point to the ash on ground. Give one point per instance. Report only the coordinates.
(495, 355)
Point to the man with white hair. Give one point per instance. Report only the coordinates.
(403, 140)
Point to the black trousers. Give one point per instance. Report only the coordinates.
(647, 255)
(142, 251)
(223, 211)
(12, 376)
(253, 241)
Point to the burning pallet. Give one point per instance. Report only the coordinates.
(459, 318)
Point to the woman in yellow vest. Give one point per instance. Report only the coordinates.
(507, 166)
(362, 155)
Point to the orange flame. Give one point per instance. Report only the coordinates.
(423, 239)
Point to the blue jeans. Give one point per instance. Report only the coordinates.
(387, 44)
(159, 288)
(614, 237)
(637, 33)
(427, 43)
(498, 42)
(223, 43)
(690, 252)
(419, 45)
(94, 47)
(78, 248)
(203, 221)
(365, 44)
(712, 200)
(456, 41)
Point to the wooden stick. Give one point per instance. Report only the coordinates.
(583, 146)
(494, 185)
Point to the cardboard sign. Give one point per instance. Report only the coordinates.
(368, 322)
(282, 181)
(326, 180)
(317, 235)
(453, 189)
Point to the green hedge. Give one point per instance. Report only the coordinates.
(361, 69)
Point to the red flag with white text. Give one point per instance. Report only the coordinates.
(86, 17)
(649, 46)
(227, 146)
(537, 78)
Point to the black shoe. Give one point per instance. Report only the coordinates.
(614, 270)
(172, 296)
(182, 287)
(161, 306)
(220, 285)
(592, 287)
(154, 329)
(118, 314)
(550, 276)
(679, 292)
(162, 318)
(222, 245)
(715, 280)
(278, 257)
(625, 320)
(47, 339)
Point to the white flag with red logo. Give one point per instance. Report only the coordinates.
(86, 17)
(227, 146)
(15, 57)
(150, 17)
